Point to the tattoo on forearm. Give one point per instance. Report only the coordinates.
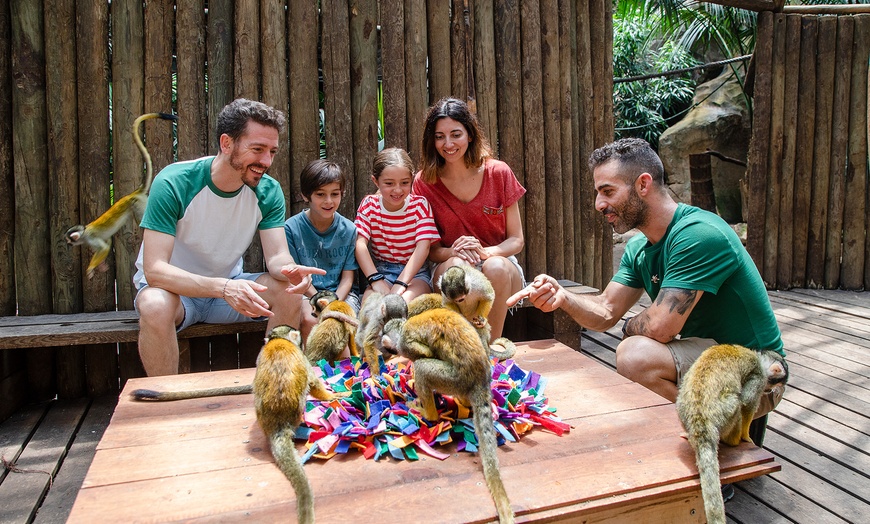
(636, 325)
(676, 300)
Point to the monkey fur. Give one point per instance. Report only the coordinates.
(717, 399)
(424, 302)
(375, 311)
(335, 329)
(449, 358)
(467, 291)
(98, 234)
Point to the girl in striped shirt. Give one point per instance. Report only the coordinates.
(395, 229)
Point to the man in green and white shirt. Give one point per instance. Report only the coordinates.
(200, 218)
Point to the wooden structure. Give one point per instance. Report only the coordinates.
(207, 458)
(808, 158)
(78, 73)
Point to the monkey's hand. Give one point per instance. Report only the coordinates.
(478, 322)
(544, 293)
(300, 276)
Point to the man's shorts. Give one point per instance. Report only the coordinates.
(212, 310)
(685, 351)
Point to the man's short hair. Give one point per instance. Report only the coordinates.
(234, 117)
(634, 155)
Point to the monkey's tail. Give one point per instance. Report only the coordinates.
(289, 463)
(508, 348)
(150, 394)
(149, 169)
(706, 454)
(487, 449)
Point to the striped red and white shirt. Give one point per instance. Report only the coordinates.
(393, 235)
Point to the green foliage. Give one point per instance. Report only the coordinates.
(643, 108)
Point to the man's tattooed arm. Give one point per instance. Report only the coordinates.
(670, 301)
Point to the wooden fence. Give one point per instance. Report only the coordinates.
(77, 73)
(807, 172)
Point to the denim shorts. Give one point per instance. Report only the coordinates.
(391, 272)
(212, 310)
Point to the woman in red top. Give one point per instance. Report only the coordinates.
(474, 202)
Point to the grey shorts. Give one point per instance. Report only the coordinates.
(211, 310)
(687, 350)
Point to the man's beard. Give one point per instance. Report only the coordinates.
(632, 214)
(237, 164)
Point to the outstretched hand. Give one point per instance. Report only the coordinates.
(544, 293)
(300, 276)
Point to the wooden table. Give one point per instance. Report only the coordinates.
(208, 460)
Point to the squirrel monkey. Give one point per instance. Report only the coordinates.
(335, 328)
(98, 234)
(449, 358)
(717, 399)
(375, 311)
(467, 291)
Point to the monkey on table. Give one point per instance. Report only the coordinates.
(98, 234)
(717, 400)
(376, 310)
(449, 358)
(335, 329)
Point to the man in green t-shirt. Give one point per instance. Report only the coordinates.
(200, 218)
(705, 288)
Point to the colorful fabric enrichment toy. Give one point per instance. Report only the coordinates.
(376, 420)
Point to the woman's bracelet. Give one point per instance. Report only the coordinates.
(401, 283)
(374, 277)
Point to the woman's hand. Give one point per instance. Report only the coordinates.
(469, 249)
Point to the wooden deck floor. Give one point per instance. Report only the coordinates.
(820, 433)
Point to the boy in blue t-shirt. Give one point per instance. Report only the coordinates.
(320, 237)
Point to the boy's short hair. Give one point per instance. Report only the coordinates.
(317, 174)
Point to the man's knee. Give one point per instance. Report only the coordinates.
(638, 355)
(157, 306)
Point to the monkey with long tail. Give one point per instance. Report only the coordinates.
(98, 234)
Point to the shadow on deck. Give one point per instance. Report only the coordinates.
(820, 433)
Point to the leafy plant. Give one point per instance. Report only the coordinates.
(644, 108)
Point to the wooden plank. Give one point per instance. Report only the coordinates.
(839, 145)
(533, 153)
(23, 491)
(855, 208)
(364, 91)
(304, 93)
(804, 149)
(825, 425)
(63, 183)
(585, 135)
(757, 168)
(825, 61)
(417, 93)
(791, 92)
(567, 68)
(829, 484)
(849, 457)
(775, 152)
(827, 409)
(219, 51)
(438, 42)
(485, 70)
(17, 430)
(8, 302)
(393, 66)
(273, 31)
(763, 499)
(192, 102)
(128, 91)
(335, 53)
(459, 53)
(59, 501)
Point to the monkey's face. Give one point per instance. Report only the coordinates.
(74, 235)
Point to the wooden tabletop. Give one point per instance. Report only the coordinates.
(208, 460)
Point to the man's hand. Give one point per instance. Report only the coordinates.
(300, 276)
(243, 296)
(544, 293)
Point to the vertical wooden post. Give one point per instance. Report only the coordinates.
(364, 90)
(535, 205)
(701, 179)
(568, 150)
(219, 51)
(486, 94)
(825, 72)
(63, 184)
(552, 114)
(273, 31)
(790, 124)
(393, 67)
(854, 218)
(417, 92)
(804, 150)
(335, 52)
(438, 43)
